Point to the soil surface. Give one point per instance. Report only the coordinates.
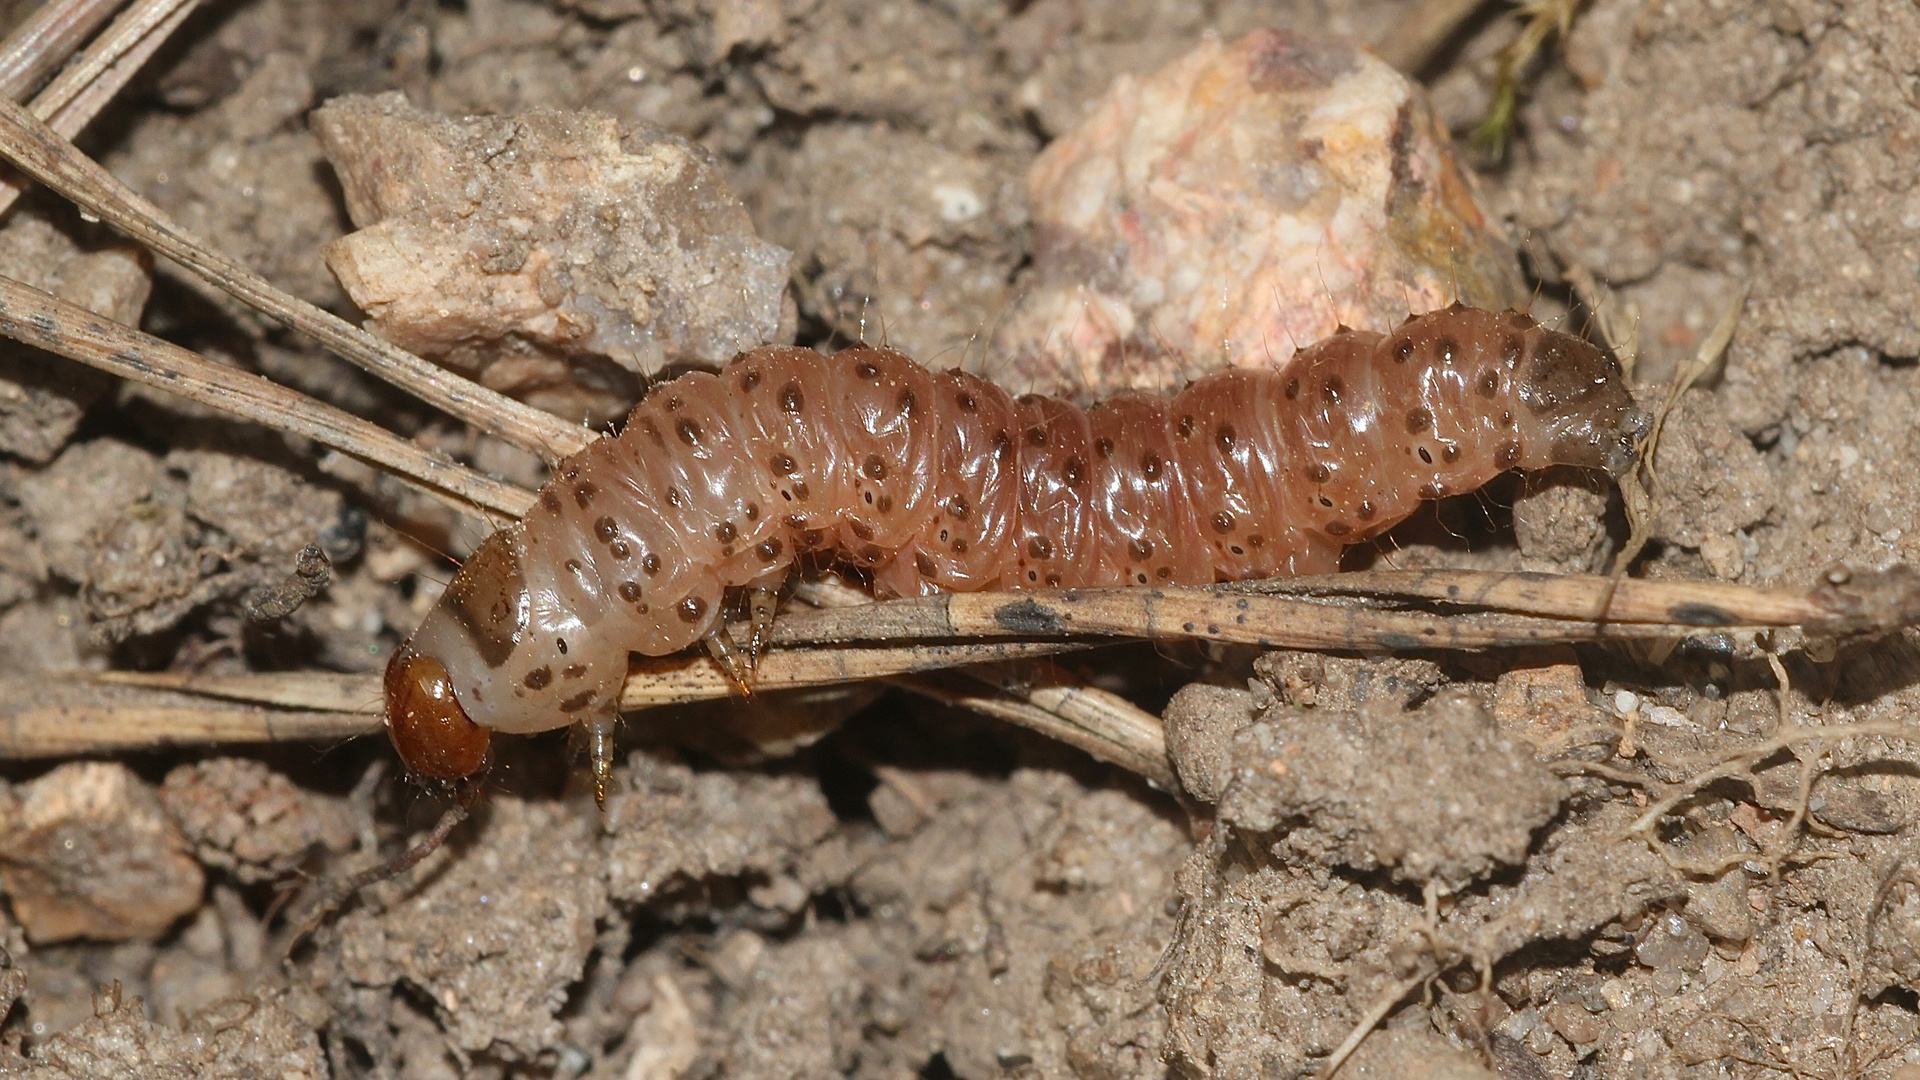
(1448, 844)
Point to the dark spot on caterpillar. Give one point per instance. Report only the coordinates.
(801, 491)
(650, 564)
(884, 504)
(1164, 573)
(1223, 522)
(1040, 547)
(966, 402)
(688, 431)
(1489, 383)
(909, 404)
(1184, 428)
(1326, 502)
(1366, 510)
(1506, 419)
(768, 550)
(725, 532)
(1320, 472)
(1521, 319)
(1508, 455)
(1447, 349)
(691, 609)
(1419, 419)
(874, 467)
(1332, 389)
(1104, 447)
(749, 379)
(675, 499)
(791, 400)
(1402, 350)
(1224, 437)
(959, 546)
(630, 591)
(753, 511)
(652, 431)
(1450, 453)
(578, 701)
(584, 492)
(782, 464)
(549, 501)
(573, 566)
(1424, 456)
(1511, 346)
(865, 370)
(1150, 466)
(812, 538)
(1036, 436)
(1054, 580)
(538, 678)
(1074, 472)
(959, 507)
(606, 530)
(1140, 550)
(561, 644)
(1002, 445)
(573, 671)
(674, 403)
(923, 563)
(1292, 390)
(1432, 491)
(861, 529)
(1256, 541)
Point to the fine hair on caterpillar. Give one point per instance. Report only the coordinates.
(934, 481)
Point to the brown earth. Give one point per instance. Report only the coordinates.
(927, 893)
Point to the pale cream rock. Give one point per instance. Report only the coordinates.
(1246, 200)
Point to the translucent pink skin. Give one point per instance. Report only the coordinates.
(940, 481)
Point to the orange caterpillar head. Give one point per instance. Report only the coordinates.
(432, 733)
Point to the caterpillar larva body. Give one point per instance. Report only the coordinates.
(942, 481)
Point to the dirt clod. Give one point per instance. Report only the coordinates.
(243, 817)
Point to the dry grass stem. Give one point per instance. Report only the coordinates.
(43, 41)
(49, 158)
(85, 87)
(40, 319)
(1060, 706)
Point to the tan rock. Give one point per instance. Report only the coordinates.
(553, 255)
(87, 851)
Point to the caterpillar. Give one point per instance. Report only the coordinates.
(942, 481)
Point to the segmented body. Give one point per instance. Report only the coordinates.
(942, 481)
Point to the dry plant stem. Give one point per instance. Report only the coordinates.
(1104, 725)
(84, 89)
(45, 321)
(61, 717)
(981, 623)
(43, 154)
(1639, 491)
(1742, 762)
(139, 31)
(39, 45)
(340, 890)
